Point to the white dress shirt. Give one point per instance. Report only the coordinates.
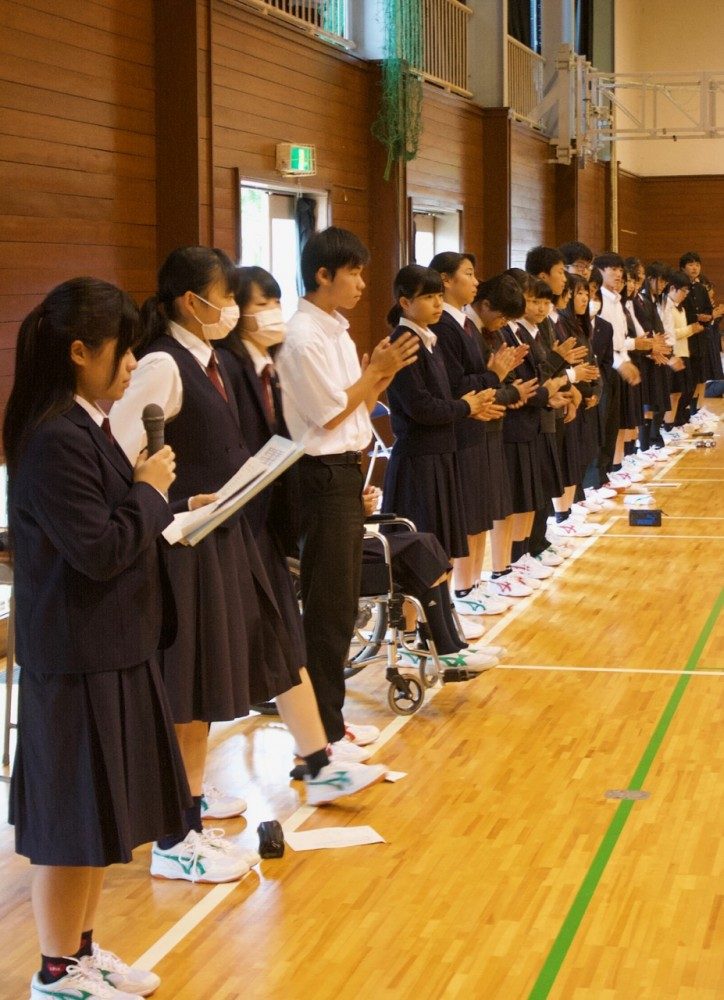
(428, 338)
(457, 314)
(260, 358)
(317, 364)
(92, 409)
(612, 312)
(156, 380)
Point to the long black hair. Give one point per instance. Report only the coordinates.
(411, 281)
(187, 269)
(84, 309)
(582, 322)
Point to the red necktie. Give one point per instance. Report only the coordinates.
(212, 370)
(470, 328)
(106, 428)
(267, 394)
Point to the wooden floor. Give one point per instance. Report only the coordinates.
(507, 872)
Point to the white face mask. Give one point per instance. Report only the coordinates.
(270, 327)
(228, 318)
(594, 307)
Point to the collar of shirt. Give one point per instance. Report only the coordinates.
(553, 315)
(530, 327)
(198, 347)
(332, 323)
(470, 314)
(611, 296)
(92, 409)
(428, 338)
(457, 314)
(260, 358)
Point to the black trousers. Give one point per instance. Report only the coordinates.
(330, 544)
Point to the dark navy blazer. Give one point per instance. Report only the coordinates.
(87, 582)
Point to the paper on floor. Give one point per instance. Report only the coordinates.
(333, 836)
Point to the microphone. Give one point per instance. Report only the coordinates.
(153, 421)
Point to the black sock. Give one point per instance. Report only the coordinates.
(52, 969)
(616, 467)
(519, 549)
(463, 593)
(645, 435)
(656, 422)
(316, 761)
(192, 821)
(436, 604)
(668, 426)
(562, 515)
(86, 944)
(497, 573)
(629, 448)
(456, 640)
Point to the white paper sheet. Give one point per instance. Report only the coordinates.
(332, 836)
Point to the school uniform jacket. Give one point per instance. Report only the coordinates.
(524, 423)
(86, 570)
(466, 372)
(276, 507)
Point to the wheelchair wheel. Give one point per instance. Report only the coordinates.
(369, 635)
(405, 694)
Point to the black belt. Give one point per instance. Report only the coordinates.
(343, 458)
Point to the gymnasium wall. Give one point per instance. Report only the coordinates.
(78, 162)
(532, 193)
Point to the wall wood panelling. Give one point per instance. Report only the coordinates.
(78, 161)
(532, 193)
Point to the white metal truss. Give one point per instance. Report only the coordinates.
(584, 110)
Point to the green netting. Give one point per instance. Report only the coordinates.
(399, 122)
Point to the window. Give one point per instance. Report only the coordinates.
(271, 220)
(525, 22)
(434, 231)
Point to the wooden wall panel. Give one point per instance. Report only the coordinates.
(448, 170)
(532, 194)
(591, 206)
(684, 213)
(630, 236)
(78, 164)
(270, 84)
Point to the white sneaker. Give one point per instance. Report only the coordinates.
(493, 605)
(549, 557)
(636, 488)
(528, 581)
(588, 506)
(508, 586)
(345, 752)
(216, 804)
(530, 567)
(561, 548)
(570, 529)
(470, 605)
(79, 983)
(639, 500)
(361, 735)
(640, 460)
(621, 480)
(116, 973)
(339, 779)
(658, 454)
(472, 659)
(471, 629)
(203, 857)
(602, 493)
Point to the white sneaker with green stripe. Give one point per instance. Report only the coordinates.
(78, 984)
(117, 973)
(203, 857)
(339, 779)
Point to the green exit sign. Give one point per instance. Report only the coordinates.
(296, 160)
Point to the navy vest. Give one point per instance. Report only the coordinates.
(205, 435)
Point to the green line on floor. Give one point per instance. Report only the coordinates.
(559, 950)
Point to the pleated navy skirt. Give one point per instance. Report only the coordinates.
(524, 475)
(426, 489)
(631, 406)
(418, 560)
(711, 362)
(474, 477)
(655, 385)
(233, 647)
(97, 767)
(572, 467)
(697, 358)
(549, 452)
(499, 503)
(683, 381)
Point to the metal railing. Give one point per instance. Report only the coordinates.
(327, 19)
(524, 79)
(445, 45)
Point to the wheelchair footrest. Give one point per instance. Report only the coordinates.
(453, 675)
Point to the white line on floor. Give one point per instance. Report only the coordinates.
(700, 672)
